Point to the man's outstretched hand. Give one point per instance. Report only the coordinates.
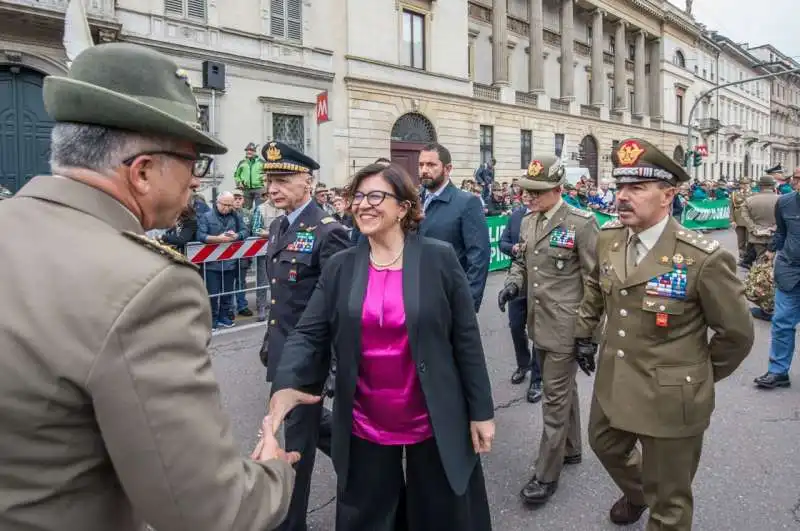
(506, 294)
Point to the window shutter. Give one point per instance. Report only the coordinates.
(294, 20)
(277, 26)
(196, 9)
(173, 7)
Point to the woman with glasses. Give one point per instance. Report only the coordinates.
(411, 375)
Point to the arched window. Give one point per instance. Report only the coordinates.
(678, 59)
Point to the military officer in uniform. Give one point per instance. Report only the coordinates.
(108, 404)
(738, 197)
(781, 182)
(300, 243)
(557, 258)
(758, 214)
(662, 289)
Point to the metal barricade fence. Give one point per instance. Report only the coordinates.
(231, 271)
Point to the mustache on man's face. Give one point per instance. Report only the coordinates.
(624, 206)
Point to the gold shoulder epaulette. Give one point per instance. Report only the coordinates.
(160, 248)
(580, 212)
(613, 224)
(326, 220)
(698, 241)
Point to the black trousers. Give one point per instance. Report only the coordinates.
(517, 322)
(306, 428)
(379, 498)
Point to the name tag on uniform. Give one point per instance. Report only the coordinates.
(303, 243)
(564, 238)
(672, 284)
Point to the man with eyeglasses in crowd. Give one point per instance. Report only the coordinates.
(222, 224)
(110, 410)
(300, 243)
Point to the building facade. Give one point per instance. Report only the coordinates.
(785, 107)
(489, 79)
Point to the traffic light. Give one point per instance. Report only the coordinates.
(688, 158)
(698, 159)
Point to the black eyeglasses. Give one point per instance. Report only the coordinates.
(374, 198)
(200, 163)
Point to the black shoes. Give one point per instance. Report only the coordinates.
(772, 381)
(623, 512)
(519, 375)
(534, 392)
(246, 312)
(537, 493)
(573, 459)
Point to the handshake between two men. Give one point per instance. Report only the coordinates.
(585, 348)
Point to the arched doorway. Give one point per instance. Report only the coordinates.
(24, 127)
(678, 155)
(410, 133)
(587, 156)
(746, 172)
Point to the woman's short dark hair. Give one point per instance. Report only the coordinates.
(401, 184)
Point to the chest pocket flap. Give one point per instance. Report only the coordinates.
(294, 257)
(663, 305)
(560, 253)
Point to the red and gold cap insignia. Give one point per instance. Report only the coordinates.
(535, 168)
(629, 153)
(273, 153)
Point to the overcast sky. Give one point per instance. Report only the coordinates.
(762, 22)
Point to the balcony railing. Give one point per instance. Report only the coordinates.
(590, 111)
(485, 92)
(709, 125)
(526, 99)
(733, 131)
(557, 105)
(94, 8)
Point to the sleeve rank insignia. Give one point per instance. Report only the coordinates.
(326, 220)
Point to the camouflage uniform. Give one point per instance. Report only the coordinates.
(760, 285)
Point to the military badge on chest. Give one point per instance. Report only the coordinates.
(303, 242)
(562, 238)
(670, 285)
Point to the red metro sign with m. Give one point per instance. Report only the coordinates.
(322, 107)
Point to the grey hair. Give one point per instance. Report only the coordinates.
(97, 148)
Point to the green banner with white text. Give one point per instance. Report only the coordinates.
(707, 214)
(496, 225)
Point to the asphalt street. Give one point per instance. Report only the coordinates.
(748, 480)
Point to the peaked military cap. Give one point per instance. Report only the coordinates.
(282, 159)
(638, 161)
(775, 170)
(544, 173)
(129, 87)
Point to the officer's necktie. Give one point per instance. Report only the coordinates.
(631, 254)
(284, 226)
(541, 221)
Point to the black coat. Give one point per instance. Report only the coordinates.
(292, 274)
(443, 335)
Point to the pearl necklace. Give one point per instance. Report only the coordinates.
(387, 264)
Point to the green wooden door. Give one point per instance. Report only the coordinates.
(24, 127)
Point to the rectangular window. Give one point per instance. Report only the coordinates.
(286, 19)
(203, 117)
(487, 143)
(471, 60)
(589, 35)
(289, 129)
(525, 148)
(632, 100)
(559, 147)
(193, 9)
(679, 109)
(612, 48)
(412, 52)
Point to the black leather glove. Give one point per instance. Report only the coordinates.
(506, 294)
(585, 351)
(328, 388)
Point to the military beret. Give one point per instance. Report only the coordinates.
(544, 173)
(130, 87)
(637, 161)
(282, 159)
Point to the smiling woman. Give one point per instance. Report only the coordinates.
(411, 373)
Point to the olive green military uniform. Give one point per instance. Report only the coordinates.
(557, 258)
(657, 366)
(758, 214)
(738, 197)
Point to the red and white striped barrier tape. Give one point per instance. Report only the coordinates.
(200, 253)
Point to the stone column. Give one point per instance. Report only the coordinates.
(499, 42)
(620, 85)
(536, 39)
(567, 50)
(656, 80)
(639, 85)
(598, 78)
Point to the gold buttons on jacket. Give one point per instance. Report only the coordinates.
(274, 260)
(621, 333)
(536, 251)
(273, 301)
(535, 284)
(662, 308)
(689, 379)
(623, 292)
(620, 354)
(274, 280)
(272, 322)
(294, 260)
(536, 268)
(623, 313)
